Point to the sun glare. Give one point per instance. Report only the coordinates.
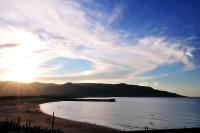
(23, 72)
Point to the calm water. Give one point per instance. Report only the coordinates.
(131, 113)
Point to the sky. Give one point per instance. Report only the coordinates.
(145, 42)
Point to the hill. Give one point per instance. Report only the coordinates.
(9, 88)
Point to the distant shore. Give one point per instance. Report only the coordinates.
(28, 109)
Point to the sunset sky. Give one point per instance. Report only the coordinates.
(145, 42)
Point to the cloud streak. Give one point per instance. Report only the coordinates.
(11, 45)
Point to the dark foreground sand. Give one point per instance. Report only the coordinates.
(28, 109)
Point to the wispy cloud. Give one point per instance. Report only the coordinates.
(70, 29)
(11, 45)
(116, 13)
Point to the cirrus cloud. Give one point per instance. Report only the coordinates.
(48, 29)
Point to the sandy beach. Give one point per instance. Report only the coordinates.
(28, 109)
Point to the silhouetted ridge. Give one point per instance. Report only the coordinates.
(80, 90)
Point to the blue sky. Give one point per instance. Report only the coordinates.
(144, 42)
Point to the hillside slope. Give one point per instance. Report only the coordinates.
(80, 90)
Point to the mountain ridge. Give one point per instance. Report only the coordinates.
(12, 88)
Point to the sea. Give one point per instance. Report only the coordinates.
(131, 113)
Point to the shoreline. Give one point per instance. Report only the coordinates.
(28, 109)
(80, 122)
(173, 130)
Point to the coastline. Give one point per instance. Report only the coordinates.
(28, 109)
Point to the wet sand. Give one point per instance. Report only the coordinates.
(28, 109)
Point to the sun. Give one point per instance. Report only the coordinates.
(22, 72)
